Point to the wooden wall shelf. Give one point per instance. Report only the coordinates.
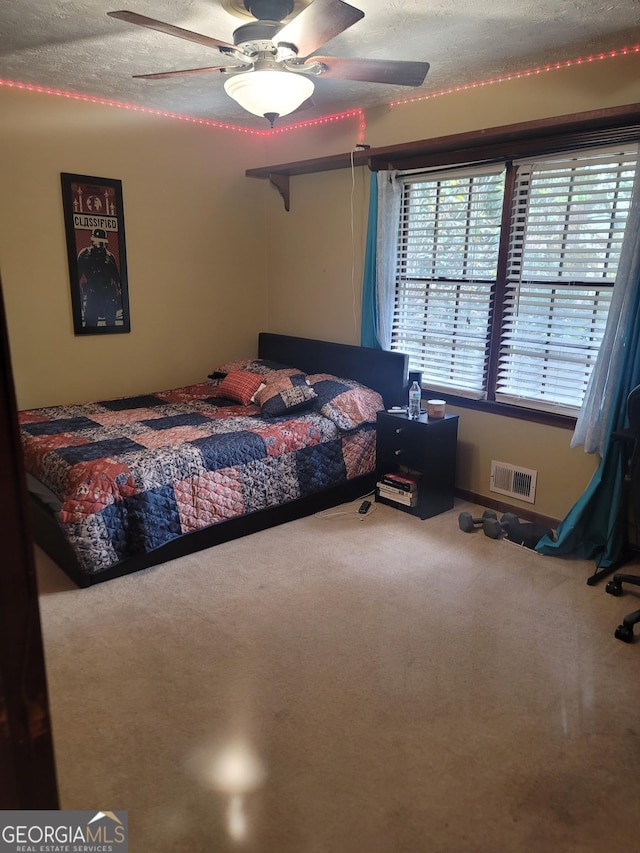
(611, 126)
(279, 175)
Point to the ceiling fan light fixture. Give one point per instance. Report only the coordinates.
(269, 91)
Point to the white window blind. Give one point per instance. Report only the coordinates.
(567, 227)
(530, 337)
(448, 244)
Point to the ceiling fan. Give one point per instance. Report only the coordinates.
(273, 62)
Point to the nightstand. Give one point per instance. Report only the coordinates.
(427, 447)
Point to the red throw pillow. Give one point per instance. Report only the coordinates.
(239, 386)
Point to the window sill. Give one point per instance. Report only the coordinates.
(506, 410)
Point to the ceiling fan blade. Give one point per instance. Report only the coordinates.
(396, 72)
(316, 24)
(170, 30)
(162, 75)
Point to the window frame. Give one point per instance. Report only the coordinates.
(506, 146)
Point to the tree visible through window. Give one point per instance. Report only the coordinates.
(513, 313)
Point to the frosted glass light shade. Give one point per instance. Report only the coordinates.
(269, 91)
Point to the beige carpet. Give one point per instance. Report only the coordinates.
(348, 685)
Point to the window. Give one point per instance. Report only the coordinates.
(505, 273)
(447, 266)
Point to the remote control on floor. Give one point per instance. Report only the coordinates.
(364, 507)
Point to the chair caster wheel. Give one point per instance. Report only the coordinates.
(614, 588)
(624, 633)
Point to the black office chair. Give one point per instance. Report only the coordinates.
(624, 632)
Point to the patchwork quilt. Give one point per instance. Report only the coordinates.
(131, 474)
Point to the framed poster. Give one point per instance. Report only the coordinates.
(94, 225)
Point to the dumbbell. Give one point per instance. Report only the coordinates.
(467, 522)
(494, 528)
(529, 533)
(522, 533)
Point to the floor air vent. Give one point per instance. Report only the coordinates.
(513, 481)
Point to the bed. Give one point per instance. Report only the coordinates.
(121, 485)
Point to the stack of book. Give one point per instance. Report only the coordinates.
(399, 487)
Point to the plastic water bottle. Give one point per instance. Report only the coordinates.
(415, 395)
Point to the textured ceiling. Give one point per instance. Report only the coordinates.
(72, 45)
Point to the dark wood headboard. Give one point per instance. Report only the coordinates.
(385, 372)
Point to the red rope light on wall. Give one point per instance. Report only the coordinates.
(330, 119)
(123, 105)
(323, 120)
(518, 75)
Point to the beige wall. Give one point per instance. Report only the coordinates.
(213, 257)
(195, 247)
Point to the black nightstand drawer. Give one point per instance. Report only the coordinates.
(428, 447)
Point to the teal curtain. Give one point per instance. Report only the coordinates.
(594, 527)
(369, 323)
